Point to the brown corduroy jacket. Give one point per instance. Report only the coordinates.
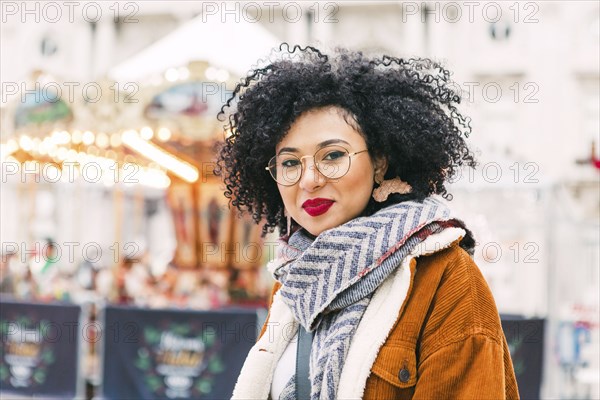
(447, 342)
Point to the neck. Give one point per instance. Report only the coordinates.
(310, 235)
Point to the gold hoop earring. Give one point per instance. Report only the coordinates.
(388, 187)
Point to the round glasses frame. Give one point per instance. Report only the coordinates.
(272, 166)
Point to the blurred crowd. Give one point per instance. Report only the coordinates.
(44, 277)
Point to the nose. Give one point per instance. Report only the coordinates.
(311, 178)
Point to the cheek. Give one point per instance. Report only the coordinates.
(356, 191)
(361, 179)
(287, 195)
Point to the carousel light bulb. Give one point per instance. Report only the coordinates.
(76, 137)
(36, 144)
(43, 149)
(164, 134)
(65, 137)
(171, 75)
(115, 140)
(102, 140)
(88, 138)
(61, 154)
(60, 137)
(222, 75)
(49, 143)
(25, 142)
(211, 73)
(146, 133)
(71, 155)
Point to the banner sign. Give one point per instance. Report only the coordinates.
(174, 354)
(525, 338)
(40, 349)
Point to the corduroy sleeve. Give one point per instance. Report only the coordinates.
(472, 368)
(463, 352)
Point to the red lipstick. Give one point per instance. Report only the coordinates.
(317, 206)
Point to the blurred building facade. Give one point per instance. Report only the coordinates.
(531, 69)
(531, 77)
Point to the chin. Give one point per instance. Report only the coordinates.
(317, 229)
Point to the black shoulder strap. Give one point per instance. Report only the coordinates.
(302, 367)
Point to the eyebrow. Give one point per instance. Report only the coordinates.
(319, 146)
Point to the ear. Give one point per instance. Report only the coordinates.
(381, 165)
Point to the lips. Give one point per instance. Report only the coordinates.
(317, 206)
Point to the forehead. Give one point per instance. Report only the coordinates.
(314, 127)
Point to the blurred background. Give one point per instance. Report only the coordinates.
(121, 260)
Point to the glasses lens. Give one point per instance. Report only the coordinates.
(333, 161)
(285, 169)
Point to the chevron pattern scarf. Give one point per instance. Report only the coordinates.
(328, 282)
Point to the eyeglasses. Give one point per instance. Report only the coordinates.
(332, 162)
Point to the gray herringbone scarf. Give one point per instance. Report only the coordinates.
(328, 282)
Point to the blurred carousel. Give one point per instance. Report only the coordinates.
(119, 188)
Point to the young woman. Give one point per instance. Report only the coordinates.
(377, 295)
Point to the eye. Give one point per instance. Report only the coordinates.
(334, 155)
(290, 163)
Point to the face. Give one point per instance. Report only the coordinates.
(316, 202)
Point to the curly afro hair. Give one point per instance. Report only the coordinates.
(404, 109)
